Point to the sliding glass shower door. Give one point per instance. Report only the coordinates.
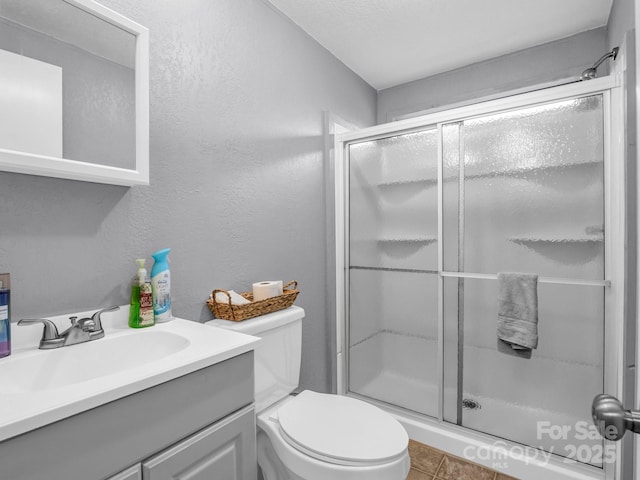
(433, 214)
(393, 270)
(523, 191)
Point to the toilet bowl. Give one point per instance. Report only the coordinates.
(314, 436)
(318, 436)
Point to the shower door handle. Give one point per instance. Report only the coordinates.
(611, 419)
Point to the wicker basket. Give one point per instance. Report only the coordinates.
(237, 313)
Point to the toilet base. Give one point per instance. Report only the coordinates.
(271, 466)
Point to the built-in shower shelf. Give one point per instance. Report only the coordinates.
(509, 172)
(408, 240)
(559, 239)
(514, 172)
(409, 182)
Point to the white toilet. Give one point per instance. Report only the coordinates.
(314, 436)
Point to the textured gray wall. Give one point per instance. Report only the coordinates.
(237, 179)
(621, 20)
(557, 60)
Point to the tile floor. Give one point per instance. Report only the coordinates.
(428, 463)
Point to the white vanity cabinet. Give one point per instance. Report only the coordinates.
(200, 422)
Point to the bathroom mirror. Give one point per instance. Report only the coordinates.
(74, 92)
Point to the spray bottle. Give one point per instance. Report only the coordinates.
(161, 284)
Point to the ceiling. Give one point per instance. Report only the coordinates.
(390, 42)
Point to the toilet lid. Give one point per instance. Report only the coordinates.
(341, 430)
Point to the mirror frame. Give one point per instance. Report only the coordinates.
(33, 164)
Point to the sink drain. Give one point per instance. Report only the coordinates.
(471, 404)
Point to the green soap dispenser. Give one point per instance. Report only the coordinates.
(141, 309)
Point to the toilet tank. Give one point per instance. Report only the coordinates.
(277, 356)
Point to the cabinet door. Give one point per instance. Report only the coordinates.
(131, 473)
(225, 450)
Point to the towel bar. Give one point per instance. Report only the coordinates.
(559, 281)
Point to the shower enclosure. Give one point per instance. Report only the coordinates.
(430, 210)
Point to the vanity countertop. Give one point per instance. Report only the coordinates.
(38, 387)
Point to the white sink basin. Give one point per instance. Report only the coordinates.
(51, 369)
(44, 386)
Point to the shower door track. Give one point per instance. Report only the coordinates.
(614, 203)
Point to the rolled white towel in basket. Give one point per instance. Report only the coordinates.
(518, 310)
(236, 298)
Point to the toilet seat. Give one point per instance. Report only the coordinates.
(341, 430)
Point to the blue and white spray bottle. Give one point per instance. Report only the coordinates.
(161, 284)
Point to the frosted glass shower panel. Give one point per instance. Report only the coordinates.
(551, 385)
(527, 193)
(393, 201)
(393, 333)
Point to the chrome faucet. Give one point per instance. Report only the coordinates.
(80, 331)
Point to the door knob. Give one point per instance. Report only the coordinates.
(611, 419)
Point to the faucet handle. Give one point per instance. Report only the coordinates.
(96, 316)
(50, 331)
(108, 309)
